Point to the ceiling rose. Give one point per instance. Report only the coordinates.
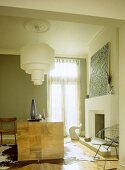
(38, 26)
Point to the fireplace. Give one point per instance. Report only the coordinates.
(100, 112)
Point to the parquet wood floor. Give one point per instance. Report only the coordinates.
(80, 165)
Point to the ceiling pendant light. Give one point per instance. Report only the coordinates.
(37, 58)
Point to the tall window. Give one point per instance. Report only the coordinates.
(64, 92)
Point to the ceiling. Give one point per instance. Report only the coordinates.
(66, 38)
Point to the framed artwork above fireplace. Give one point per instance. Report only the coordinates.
(99, 71)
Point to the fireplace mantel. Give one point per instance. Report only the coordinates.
(107, 105)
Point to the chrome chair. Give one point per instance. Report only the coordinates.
(108, 137)
(8, 127)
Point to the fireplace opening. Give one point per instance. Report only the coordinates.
(99, 122)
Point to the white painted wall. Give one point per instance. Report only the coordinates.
(108, 34)
(122, 98)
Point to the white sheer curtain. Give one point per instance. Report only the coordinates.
(63, 88)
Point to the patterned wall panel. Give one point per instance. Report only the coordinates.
(98, 71)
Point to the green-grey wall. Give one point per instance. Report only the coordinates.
(17, 90)
(83, 92)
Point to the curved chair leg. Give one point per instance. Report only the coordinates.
(97, 152)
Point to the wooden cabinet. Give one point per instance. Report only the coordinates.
(40, 140)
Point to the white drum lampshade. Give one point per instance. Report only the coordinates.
(37, 59)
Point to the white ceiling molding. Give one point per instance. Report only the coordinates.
(71, 56)
(9, 51)
(17, 52)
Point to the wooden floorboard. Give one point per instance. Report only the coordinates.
(111, 163)
(82, 165)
